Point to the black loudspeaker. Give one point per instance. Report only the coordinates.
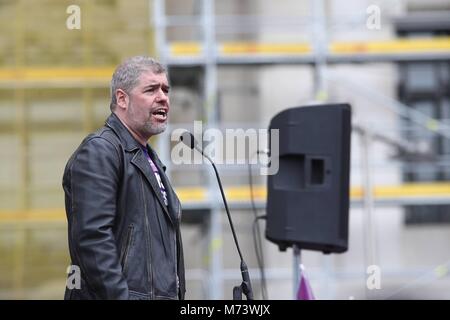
(308, 198)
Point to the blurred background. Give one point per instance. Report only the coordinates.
(235, 64)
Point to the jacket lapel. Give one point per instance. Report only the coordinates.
(140, 161)
(171, 196)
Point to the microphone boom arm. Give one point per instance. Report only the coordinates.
(246, 286)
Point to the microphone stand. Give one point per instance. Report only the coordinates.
(246, 286)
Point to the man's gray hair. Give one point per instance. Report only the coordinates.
(127, 74)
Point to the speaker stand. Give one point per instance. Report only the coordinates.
(297, 269)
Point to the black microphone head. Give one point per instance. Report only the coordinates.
(188, 139)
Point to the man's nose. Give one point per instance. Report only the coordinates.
(162, 96)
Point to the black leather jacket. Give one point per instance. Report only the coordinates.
(124, 239)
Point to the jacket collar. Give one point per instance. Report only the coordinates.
(130, 144)
(128, 141)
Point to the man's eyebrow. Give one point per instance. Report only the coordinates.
(156, 84)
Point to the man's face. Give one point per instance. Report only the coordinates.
(148, 107)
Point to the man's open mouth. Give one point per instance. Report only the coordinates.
(160, 114)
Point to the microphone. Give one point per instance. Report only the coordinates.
(246, 287)
(188, 139)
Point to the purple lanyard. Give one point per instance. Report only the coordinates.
(157, 175)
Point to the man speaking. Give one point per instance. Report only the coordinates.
(123, 215)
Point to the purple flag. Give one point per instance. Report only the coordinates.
(304, 289)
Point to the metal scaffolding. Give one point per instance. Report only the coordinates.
(210, 55)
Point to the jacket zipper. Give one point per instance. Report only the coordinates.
(176, 249)
(147, 238)
(176, 261)
(179, 212)
(124, 259)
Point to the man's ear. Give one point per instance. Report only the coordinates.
(122, 99)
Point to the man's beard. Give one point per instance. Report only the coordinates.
(148, 128)
(154, 128)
